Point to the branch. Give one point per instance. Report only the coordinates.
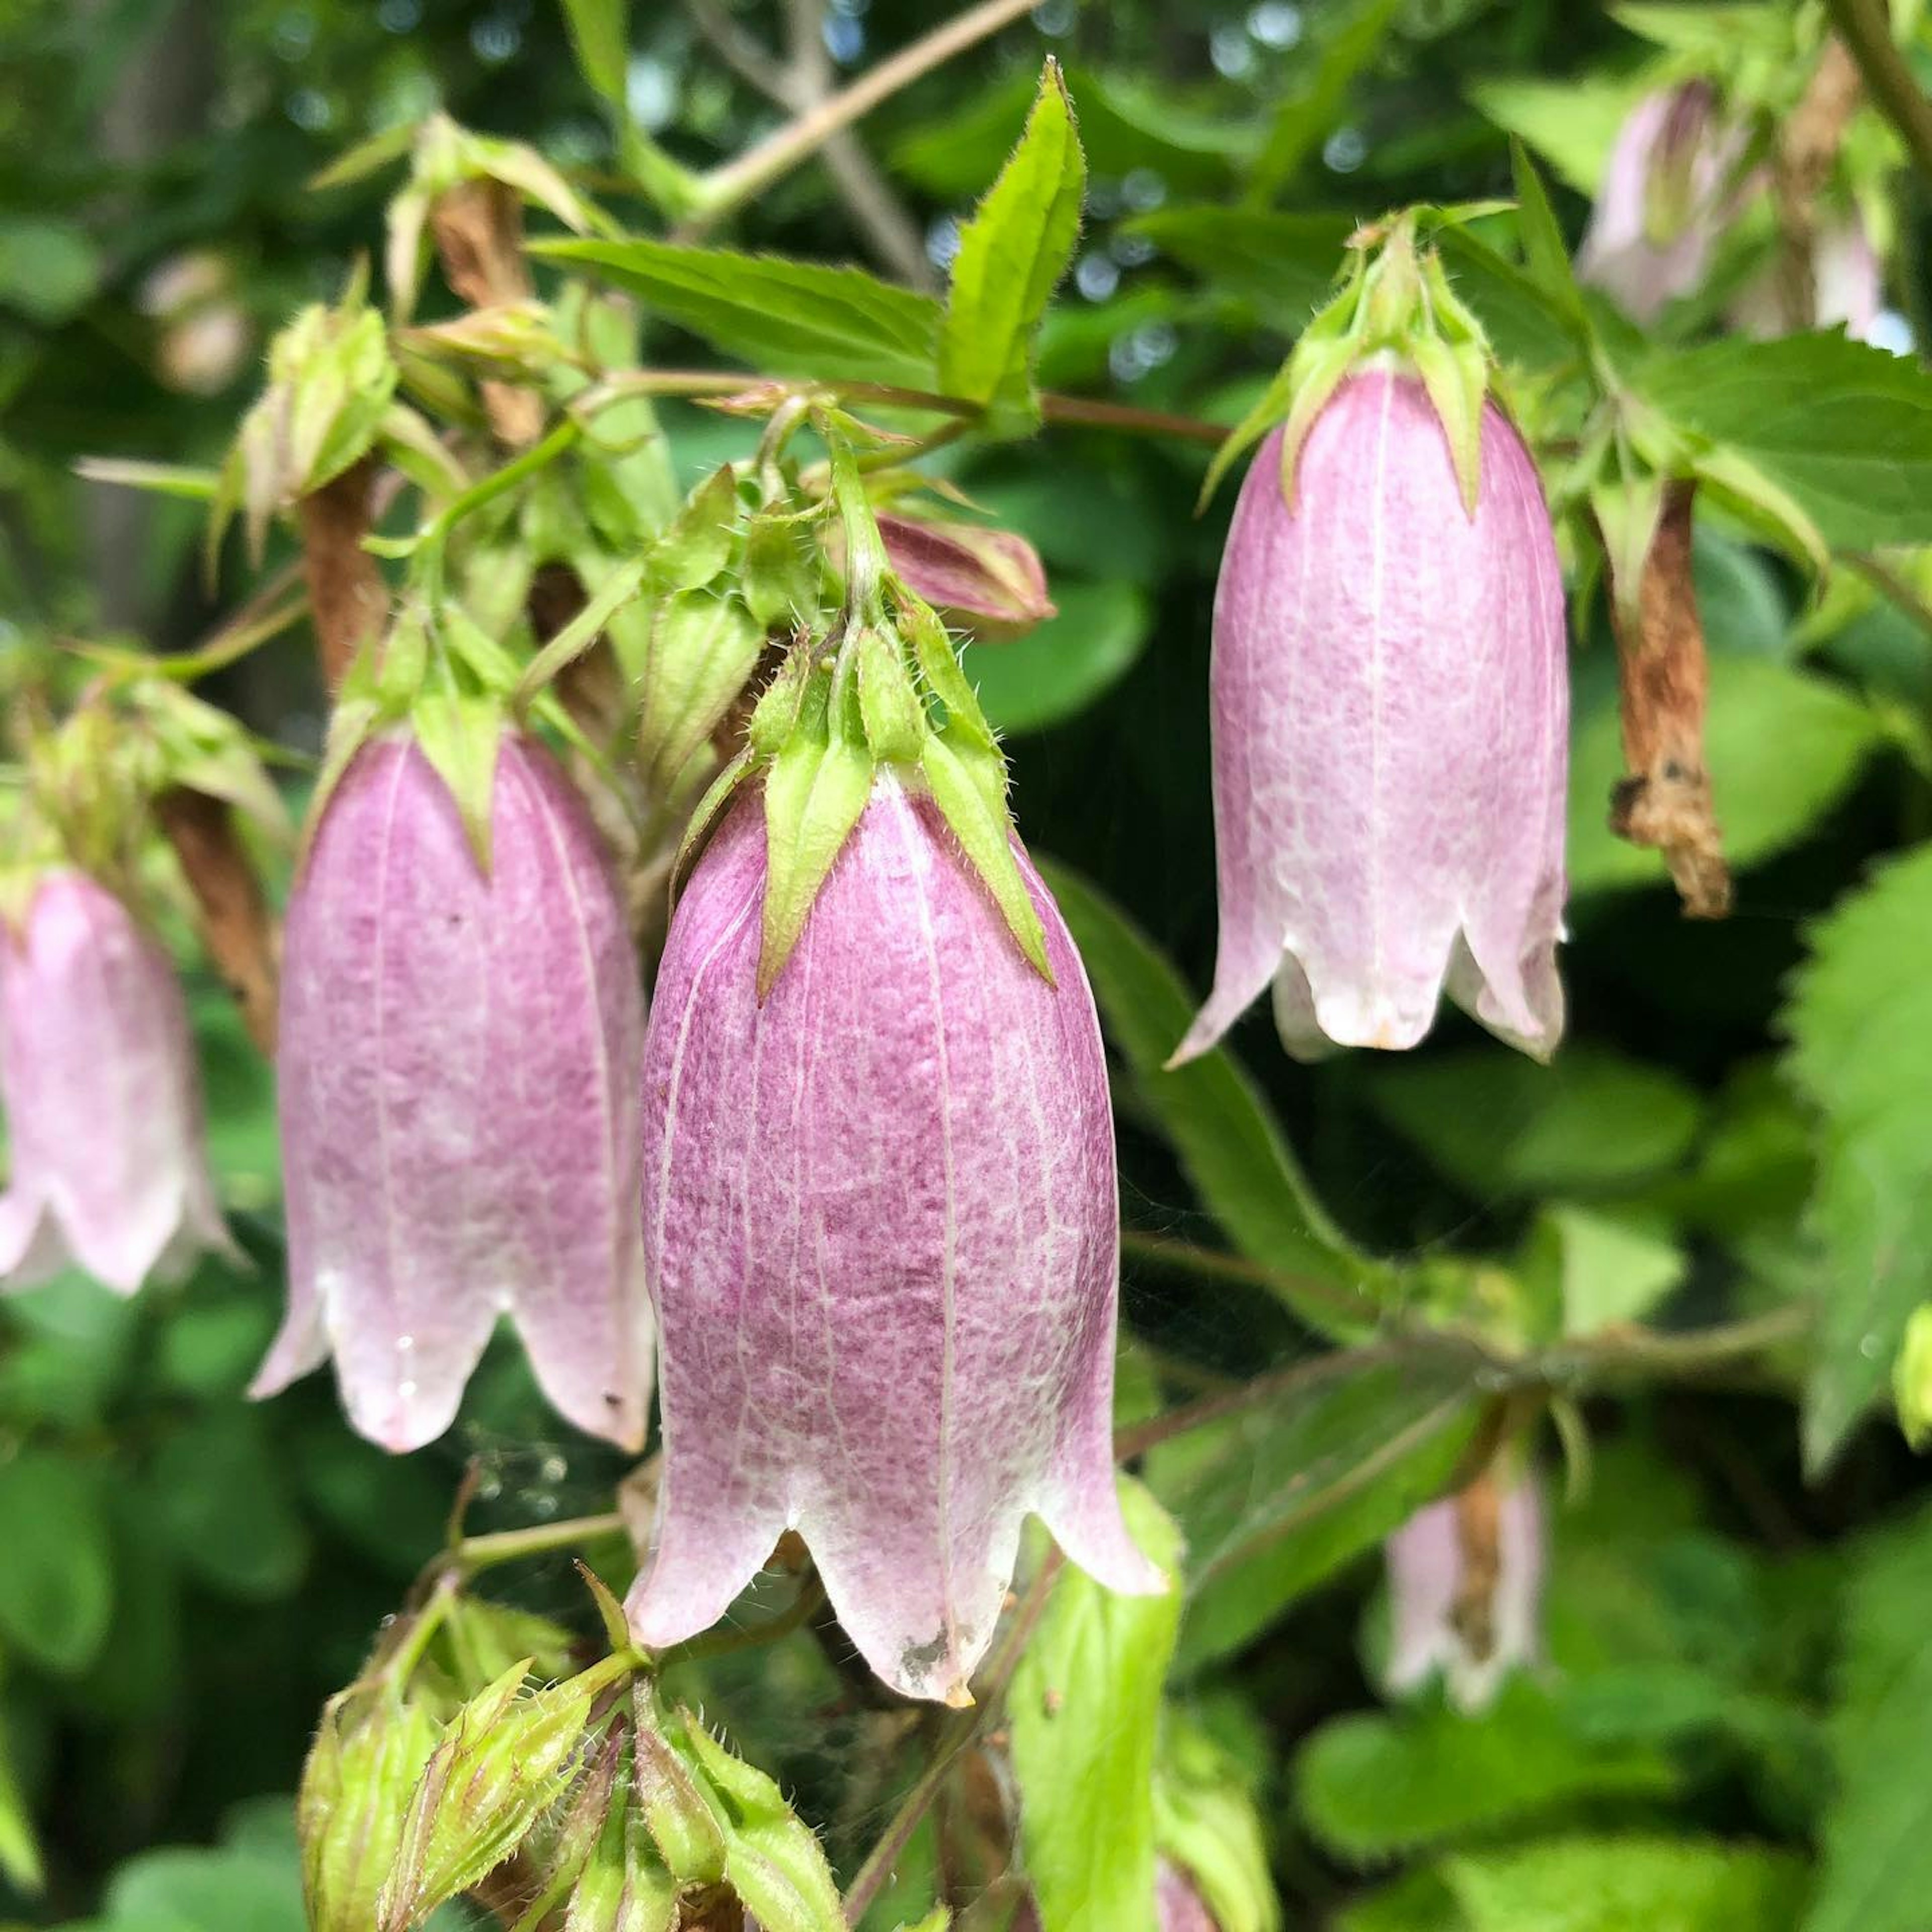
(1865, 28)
(801, 84)
(737, 182)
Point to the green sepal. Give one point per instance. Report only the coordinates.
(717, 795)
(968, 785)
(624, 1885)
(676, 1813)
(504, 1761)
(779, 577)
(589, 1810)
(618, 589)
(461, 734)
(369, 1749)
(198, 747)
(895, 719)
(815, 791)
(772, 1861)
(702, 537)
(1206, 1821)
(704, 648)
(939, 665)
(1627, 511)
(1456, 379)
(775, 715)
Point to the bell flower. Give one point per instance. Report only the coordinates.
(881, 1220)
(108, 1167)
(1666, 197)
(1390, 707)
(1465, 1581)
(458, 1053)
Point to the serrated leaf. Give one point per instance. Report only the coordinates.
(814, 793)
(1543, 251)
(789, 318)
(1011, 256)
(968, 785)
(1232, 1148)
(1844, 428)
(1860, 1019)
(1083, 1714)
(1274, 1502)
(1373, 1786)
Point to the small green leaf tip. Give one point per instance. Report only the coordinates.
(1394, 296)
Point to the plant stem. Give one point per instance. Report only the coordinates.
(507, 1546)
(805, 1605)
(1216, 1265)
(738, 182)
(1865, 28)
(872, 1876)
(1057, 409)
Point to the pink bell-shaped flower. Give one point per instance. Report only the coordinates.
(1390, 703)
(458, 1062)
(108, 1169)
(1465, 1585)
(1666, 197)
(1848, 287)
(881, 1223)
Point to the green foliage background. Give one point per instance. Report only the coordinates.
(1728, 1730)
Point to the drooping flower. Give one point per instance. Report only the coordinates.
(1848, 286)
(458, 1059)
(991, 581)
(1390, 700)
(881, 1220)
(1465, 1582)
(1666, 197)
(109, 1171)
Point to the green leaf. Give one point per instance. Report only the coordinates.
(57, 1581)
(1498, 1124)
(1206, 1821)
(1307, 116)
(600, 35)
(219, 1497)
(1285, 264)
(1604, 1268)
(1066, 663)
(1845, 428)
(1875, 1867)
(19, 1851)
(1572, 123)
(1275, 1501)
(1231, 1146)
(1781, 746)
(1011, 256)
(787, 318)
(48, 270)
(1084, 1712)
(1860, 1021)
(1548, 258)
(1615, 1884)
(239, 1888)
(1374, 1786)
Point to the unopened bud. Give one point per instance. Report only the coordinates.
(990, 581)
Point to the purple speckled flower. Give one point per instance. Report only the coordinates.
(1473, 1629)
(458, 1066)
(1665, 197)
(109, 1169)
(1390, 704)
(880, 1219)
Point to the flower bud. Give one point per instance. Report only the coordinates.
(1465, 1576)
(881, 1214)
(458, 1063)
(989, 581)
(1390, 704)
(109, 1172)
(1663, 201)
